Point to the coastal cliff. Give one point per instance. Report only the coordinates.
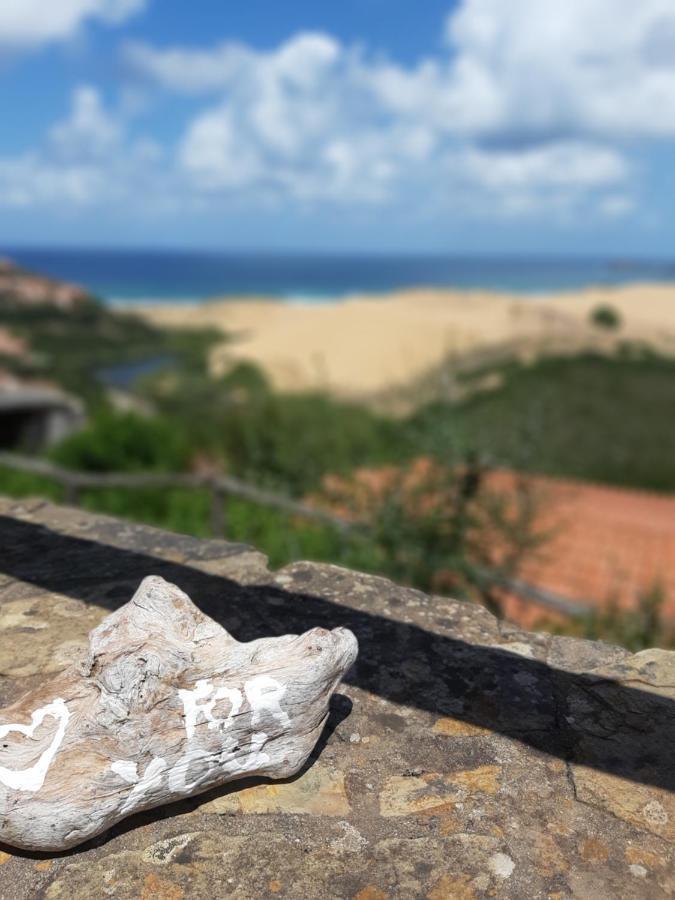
(30, 289)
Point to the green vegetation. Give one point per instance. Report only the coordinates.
(638, 628)
(599, 418)
(71, 346)
(281, 440)
(606, 317)
(585, 417)
(603, 419)
(125, 442)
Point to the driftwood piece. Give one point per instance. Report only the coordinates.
(166, 705)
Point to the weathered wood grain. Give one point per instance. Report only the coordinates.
(166, 705)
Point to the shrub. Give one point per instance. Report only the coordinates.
(125, 442)
(438, 527)
(288, 441)
(642, 626)
(582, 417)
(605, 317)
(292, 440)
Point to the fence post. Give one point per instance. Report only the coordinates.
(71, 492)
(218, 516)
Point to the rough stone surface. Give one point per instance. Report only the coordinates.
(462, 758)
(165, 705)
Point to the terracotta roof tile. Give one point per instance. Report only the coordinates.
(605, 545)
(610, 544)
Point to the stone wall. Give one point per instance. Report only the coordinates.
(463, 757)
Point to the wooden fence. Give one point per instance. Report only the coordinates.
(221, 487)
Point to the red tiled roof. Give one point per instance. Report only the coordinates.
(604, 545)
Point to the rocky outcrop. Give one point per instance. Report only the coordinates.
(29, 289)
(12, 346)
(462, 758)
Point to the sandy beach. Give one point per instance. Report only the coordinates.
(366, 346)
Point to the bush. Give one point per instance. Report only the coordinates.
(592, 417)
(605, 317)
(125, 442)
(438, 527)
(637, 628)
(293, 440)
(286, 441)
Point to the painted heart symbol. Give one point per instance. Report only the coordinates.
(33, 778)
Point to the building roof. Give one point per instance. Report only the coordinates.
(605, 544)
(601, 545)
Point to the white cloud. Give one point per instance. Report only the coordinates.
(299, 120)
(531, 105)
(603, 67)
(30, 23)
(564, 165)
(188, 70)
(315, 120)
(89, 130)
(562, 178)
(616, 206)
(300, 60)
(32, 180)
(85, 159)
(543, 67)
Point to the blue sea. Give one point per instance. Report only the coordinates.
(122, 275)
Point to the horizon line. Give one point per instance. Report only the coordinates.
(623, 258)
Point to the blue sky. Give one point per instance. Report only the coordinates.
(479, 126)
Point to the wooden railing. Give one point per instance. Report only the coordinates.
(221, 487)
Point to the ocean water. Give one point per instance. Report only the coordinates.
(117, 275)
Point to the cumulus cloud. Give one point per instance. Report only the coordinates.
(542, 67)
(301, 59)
(616, 206)
(565, 165)
(299, 120)
(559, 178)
(529, 106)
(33, 180)
(30, 23)
(89, 131)
(521, 102)
(85, 159)
(603, 67)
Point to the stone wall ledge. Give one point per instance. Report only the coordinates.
(463, 757)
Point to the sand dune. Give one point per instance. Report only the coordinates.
(368, 345)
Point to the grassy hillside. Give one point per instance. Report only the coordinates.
(602, 419)
(596, 418)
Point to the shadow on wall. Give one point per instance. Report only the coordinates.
(580, 718)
